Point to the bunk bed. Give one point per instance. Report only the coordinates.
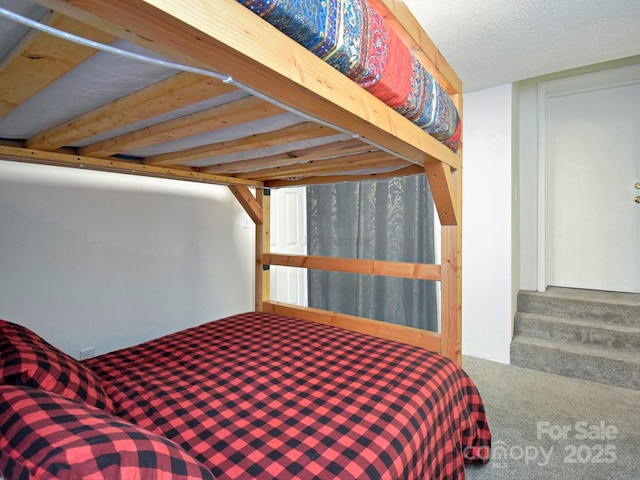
(253, 95)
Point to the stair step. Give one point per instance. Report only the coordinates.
(587, 332)
(609, 307)
(612, 367)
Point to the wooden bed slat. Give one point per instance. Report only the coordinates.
(295, 133)
(229, 114)
(323, 180)
(348, 163)
(322, 152)
(172, 93)
(40, 59)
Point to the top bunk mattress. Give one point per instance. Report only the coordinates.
(354, 38)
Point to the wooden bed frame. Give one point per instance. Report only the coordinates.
(224, 37)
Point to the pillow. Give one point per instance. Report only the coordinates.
(27, 359)
(45, 436)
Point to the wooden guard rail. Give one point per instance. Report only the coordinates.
(417, 271)
(412, 336)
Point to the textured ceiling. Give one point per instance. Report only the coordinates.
(493, 42)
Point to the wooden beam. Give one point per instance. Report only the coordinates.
(262, 275)
(222, 35)
(375, 328)
(451, 259)
(172, 93)
(40, 59)
(305, 181)
(451, 299)
(417, 271)
(117, 166)
(444, 194)
(222, 116)
(248, 202)
(321, 152)
(348, 163)
(295, 133)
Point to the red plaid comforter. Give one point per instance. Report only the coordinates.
(272, 397)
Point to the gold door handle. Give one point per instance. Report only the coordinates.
(638, 199)
(637, 185)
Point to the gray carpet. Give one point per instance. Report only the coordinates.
(539, 422)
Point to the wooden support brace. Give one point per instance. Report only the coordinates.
(444, 193)
(248, 202)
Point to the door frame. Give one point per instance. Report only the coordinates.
(611, 78)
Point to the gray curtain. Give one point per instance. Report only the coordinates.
(383, 220)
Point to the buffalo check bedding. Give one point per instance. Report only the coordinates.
(271, 397)
(46, 436)
(250, 396)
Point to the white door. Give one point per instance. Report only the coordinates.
(289, 236)
(592, 148)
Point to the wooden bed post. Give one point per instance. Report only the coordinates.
(258, 207)
(445, 187)
(451, 301)
(263, 247)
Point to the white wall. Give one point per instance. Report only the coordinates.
(487, 277)
(94, 259)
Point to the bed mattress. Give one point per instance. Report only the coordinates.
(265, 396)
(356, 40)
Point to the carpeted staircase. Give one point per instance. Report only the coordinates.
(579, 333)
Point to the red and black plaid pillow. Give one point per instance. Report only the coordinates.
(46, 436)
(27, 359)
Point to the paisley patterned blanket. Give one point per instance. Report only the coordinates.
(356, 40)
